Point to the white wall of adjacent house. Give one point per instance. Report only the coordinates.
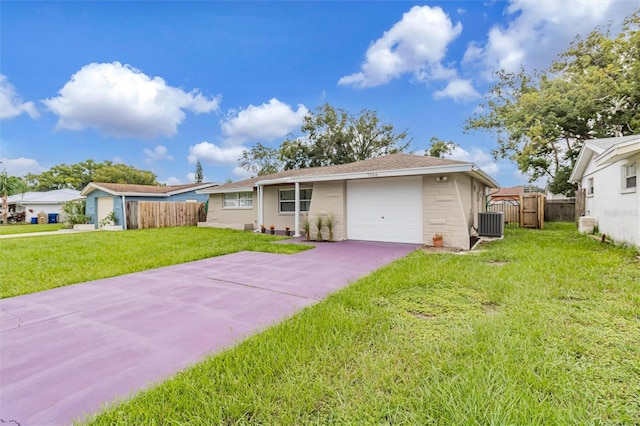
(32, 210)
(615, 207)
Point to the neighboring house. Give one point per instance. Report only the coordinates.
(397, 198)
(104, 198)
(506, 195)
(49, 202)
(607, 169)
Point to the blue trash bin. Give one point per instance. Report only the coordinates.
(34, 220)
(53, 217)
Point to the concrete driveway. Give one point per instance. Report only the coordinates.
(66, 352)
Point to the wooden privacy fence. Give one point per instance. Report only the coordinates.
(559, 210)
(163, 214)
(511, 210)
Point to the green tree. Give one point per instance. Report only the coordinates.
(541, 120)
(335, 136)
(8, 186)
(261, 160)
(197, 176)
(329, 136)
(440, 148)
(77, 176)
(108, 172)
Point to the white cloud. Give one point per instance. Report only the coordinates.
(241, 173)
(416, 44)
(118, 160)
(262, 123)
(211, 153)
(11, 105)
(159, 153)
(459, 90)
(20, 166)
(172, 181)
(121, 101)
(540, 29)
(483, 160)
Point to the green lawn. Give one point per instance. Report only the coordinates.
(541, 328)
(33, 264)
(29, 228)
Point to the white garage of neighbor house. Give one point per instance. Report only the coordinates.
(396, 198)
(49, 202)
(607, 170)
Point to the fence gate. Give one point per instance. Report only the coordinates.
(532, 211)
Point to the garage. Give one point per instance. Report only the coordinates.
(388, 209)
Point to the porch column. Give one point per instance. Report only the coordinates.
(260, 206)
(124, 214)
(296, 226)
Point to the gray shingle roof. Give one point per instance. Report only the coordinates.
(606, 143)
(128, 189)
(388, 162)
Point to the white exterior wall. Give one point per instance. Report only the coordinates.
(235, 218)
(37, 208)
(617, 212)
(445, 211)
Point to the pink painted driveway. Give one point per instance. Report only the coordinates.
(68, 351)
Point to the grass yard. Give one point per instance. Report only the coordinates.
(541, 328)
(29, 228)
(40, 263)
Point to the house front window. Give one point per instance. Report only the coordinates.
(629, 175)
(590, 186)
(237, 200)
(287, 199)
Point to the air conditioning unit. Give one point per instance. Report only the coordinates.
(491, 224)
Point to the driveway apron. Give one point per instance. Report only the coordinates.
(67, 352)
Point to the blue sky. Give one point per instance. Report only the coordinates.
(158, 84)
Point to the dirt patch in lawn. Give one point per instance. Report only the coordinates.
(432, 249)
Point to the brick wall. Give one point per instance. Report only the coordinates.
(444, 210)
(329, 198)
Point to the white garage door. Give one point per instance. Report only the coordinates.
(388, 209)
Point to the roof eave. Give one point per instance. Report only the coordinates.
(449, 168)
(581, 163)
(196, 188)
(226, 190)
(484, 177)
(618, 152)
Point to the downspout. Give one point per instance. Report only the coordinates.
(124, 213)
(296, 226)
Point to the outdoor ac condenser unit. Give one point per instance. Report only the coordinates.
(491, 224)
